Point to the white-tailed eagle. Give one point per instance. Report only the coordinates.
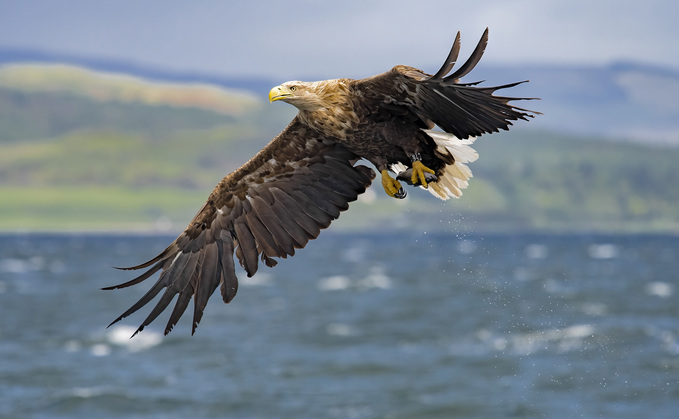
(301, 181)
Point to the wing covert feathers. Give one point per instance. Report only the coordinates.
(274, 204)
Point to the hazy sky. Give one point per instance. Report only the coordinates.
(294, 39)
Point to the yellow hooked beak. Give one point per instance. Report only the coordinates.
(279, 92)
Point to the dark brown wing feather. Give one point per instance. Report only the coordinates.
(272, 205)
(465, 110)
(471, 61)
(450, 60)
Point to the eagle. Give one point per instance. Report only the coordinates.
(404, 121)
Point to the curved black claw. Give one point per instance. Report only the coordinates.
(400, 194)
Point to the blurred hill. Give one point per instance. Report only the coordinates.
(624, 100)
(50, 100)
(89, 150)
(26, 56)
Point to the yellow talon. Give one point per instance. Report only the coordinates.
(418, 173)
(392, 186)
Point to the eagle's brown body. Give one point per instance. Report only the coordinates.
(375, 132)
(308, 174)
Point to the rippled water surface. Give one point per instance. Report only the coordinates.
(354, 326)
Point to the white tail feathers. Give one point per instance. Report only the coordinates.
(455, 176)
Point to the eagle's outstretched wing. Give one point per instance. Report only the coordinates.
(462, 109)
(272, 205)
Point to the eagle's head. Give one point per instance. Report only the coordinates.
(307, 96)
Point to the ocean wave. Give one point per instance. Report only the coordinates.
(659, 289)
(375, 279)
(561, 340)
(117, 337)
(603, 251)
(536, 251)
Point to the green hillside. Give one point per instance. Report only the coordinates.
(28, 116)
(559, 182)
(73, 161)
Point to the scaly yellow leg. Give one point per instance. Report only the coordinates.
(418, 173)
(392, 186)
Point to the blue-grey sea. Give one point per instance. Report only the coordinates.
(407, 325)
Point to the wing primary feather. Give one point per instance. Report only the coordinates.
(228, 270)
(247, 245)
(263, 236)
(469, 111)
(350, 173)
(343, 186)
(450, 60)
(297, 234)
(160, 265)
(472, 60)
(337, 200)
(179, 309)
(176, 285)
(185, 295)
(321, 199)
(311, 209)
(163, 281)
(273, 225)
(208, 281)
(170, 249)
(305, 221)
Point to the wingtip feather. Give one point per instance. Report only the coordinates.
(473, 59)
(449, 63)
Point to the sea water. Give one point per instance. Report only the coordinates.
(403, 325)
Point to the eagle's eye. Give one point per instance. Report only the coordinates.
(293, 88)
